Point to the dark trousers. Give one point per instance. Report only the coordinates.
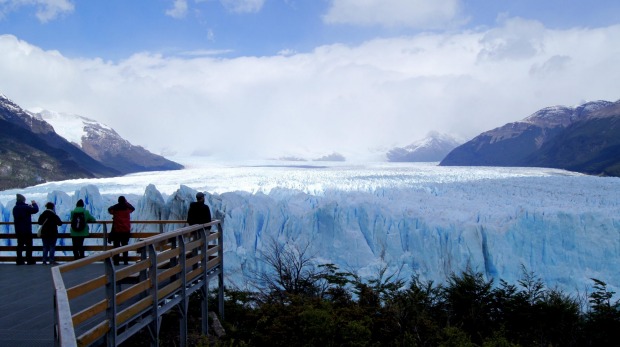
(49, 248)
(121, 239)
(78, 247)
(24, 243)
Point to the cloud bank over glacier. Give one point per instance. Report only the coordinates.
(354, 99)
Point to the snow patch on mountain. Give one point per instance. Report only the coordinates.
(554, 116)
(70, 126)
(434, 147)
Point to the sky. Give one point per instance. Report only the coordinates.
(260, 79)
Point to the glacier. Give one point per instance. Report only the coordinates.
(413, 218)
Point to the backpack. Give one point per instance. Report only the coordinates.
(78, 221)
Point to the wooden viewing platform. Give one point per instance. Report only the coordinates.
(92, 301)
(27, 307)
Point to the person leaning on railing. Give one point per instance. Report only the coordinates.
(121, 226)
(199, 212)
(49, 222)
(22, 216)
(78, 236)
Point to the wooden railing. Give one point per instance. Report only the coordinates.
(110, 303)
(95, 242)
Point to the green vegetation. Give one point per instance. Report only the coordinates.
(299, 303)
(302, 304)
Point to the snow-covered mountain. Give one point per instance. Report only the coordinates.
(573, 138)
(37, 147)
(31, 152)
(415, 218)
(434, 147)
(104, 144)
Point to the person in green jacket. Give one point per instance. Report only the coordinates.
(80, 218)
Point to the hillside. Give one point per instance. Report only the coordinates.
(104, 144)
(582, 139)
(32, 152)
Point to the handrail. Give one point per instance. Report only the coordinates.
(94, 234)
(126, 299)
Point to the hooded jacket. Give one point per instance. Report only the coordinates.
(121, 221)
(89, 218)
(50, 222)
(22, 213)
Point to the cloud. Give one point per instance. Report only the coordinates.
(243, 6)
(516, 38)
(394, 13)
(179, 10)
(47, 10)
(355, 100)
(553, 65)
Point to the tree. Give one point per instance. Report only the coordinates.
(291, 270)
(603, 319)
(468, 298)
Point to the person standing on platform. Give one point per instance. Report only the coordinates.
(199, 212)
(49, 222)
(80, 217)
(121, 226)
(22, 217)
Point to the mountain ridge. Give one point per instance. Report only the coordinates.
(545, 137)
(104, 144)
(31, 152)
(434, 147)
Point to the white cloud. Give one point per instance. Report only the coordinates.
(179, 9)
(243, 6)
(337, 98)
(394, 13)
(47, 10)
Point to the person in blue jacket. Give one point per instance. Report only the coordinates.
(22, 217)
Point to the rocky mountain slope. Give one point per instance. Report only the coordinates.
(31, 152)
(583, 139)
(432, 148)
(105, 145)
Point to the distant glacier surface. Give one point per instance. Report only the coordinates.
(414, 218)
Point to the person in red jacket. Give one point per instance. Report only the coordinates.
(121, 226)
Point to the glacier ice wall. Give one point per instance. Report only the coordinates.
(566, 228)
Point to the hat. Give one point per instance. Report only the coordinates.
(200, 195)
(20, 198)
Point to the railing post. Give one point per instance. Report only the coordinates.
(184, 301)
(105, 236)
(204, 304)
(220, 254)
(144, 254)
(154, 289)
(111, 296)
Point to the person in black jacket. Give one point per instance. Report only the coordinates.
(49, 222)
(199, 212)
(22, 213)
